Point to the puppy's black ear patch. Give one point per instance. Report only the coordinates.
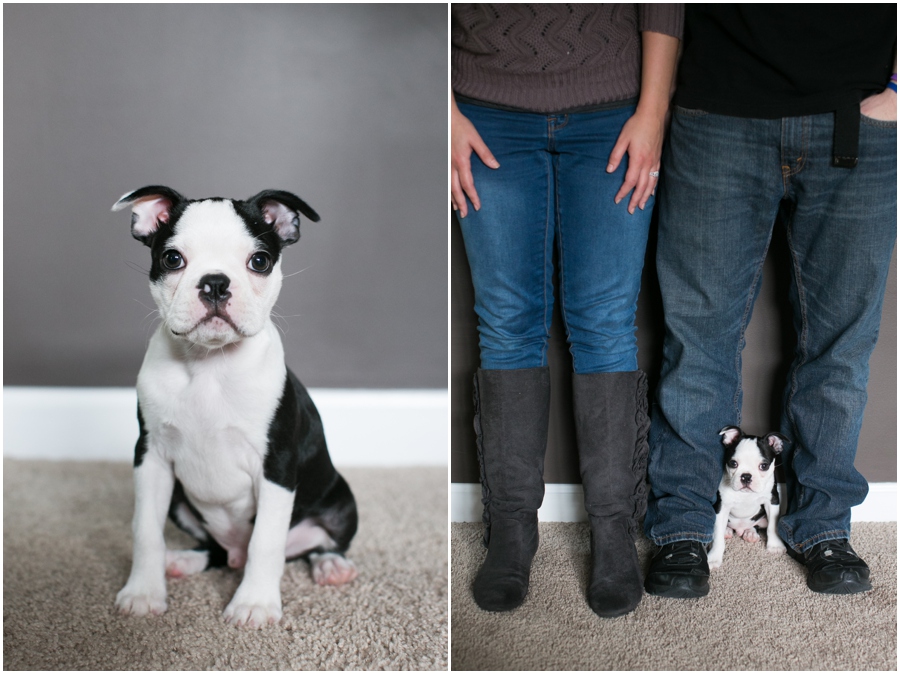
(731, 435)
(776, 441)
(281, 210)
(151, 206)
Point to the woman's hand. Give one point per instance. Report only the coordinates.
(464, 139)
(642, 138)
(881, 106)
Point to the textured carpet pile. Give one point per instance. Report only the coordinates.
(67, 552)
(759, 614)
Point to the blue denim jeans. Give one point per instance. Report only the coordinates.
(724, 181)
(552, 188)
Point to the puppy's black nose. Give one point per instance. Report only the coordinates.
(746, 478)
(214, 288)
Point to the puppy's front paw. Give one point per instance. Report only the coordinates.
(134, 600)
(332, 569)
(775, 546)
(714, 563)
(252, 609)
(252, 615)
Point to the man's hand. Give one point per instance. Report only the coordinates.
(881, 106)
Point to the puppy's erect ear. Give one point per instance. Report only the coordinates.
(776, 441)
(730, 435)
(281, 210)
(150, 206)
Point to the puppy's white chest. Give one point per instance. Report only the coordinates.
(216, 464)
(210, 421)
(217, 459)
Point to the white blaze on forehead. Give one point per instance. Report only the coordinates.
(214, 227)
(747, 452)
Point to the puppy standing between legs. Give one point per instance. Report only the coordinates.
(748, 495)
(231, 446)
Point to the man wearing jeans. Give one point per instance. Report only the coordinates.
(782, 110)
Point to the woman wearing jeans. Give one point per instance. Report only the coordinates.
(564, 108)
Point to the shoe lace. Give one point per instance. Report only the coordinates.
(684, 552)
(838, 552)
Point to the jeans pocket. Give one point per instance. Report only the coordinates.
(690, 112)
(878, 123)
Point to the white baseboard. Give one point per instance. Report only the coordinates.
(364, 427)
(565, 503)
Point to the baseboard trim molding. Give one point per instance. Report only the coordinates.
(565, 503)
(364, 427)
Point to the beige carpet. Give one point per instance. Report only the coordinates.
(67, 552)
(759, 614)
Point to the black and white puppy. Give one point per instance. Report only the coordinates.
(748, 495)
(231, 446)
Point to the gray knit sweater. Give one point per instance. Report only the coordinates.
(553, 58)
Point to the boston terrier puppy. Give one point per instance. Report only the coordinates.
(231, 447)
(748, 494)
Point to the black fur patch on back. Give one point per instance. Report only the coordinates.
(297, 459)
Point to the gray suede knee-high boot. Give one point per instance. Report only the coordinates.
(611, 427)
(512, 412)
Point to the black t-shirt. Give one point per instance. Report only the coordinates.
(782, 60)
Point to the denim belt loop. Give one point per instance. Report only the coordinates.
(846, 134)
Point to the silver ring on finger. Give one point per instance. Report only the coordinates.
(654, 174)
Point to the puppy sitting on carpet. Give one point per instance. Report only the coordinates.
(231, 446)
(748, 495)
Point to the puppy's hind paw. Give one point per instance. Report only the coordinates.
(180, 563)
(330, 568)
(751, 535)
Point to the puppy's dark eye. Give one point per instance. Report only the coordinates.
(764, 466)
(732, 464)
(172, 260)
(260, 262)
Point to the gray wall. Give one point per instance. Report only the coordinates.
(344, 105)
(765, 362)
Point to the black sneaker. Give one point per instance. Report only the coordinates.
(679, 570)
(834, 568)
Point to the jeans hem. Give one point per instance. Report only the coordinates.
(660, 541)
(831, 535)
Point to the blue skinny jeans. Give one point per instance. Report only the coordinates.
(552, 188)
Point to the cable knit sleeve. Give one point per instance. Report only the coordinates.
(665, 18)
